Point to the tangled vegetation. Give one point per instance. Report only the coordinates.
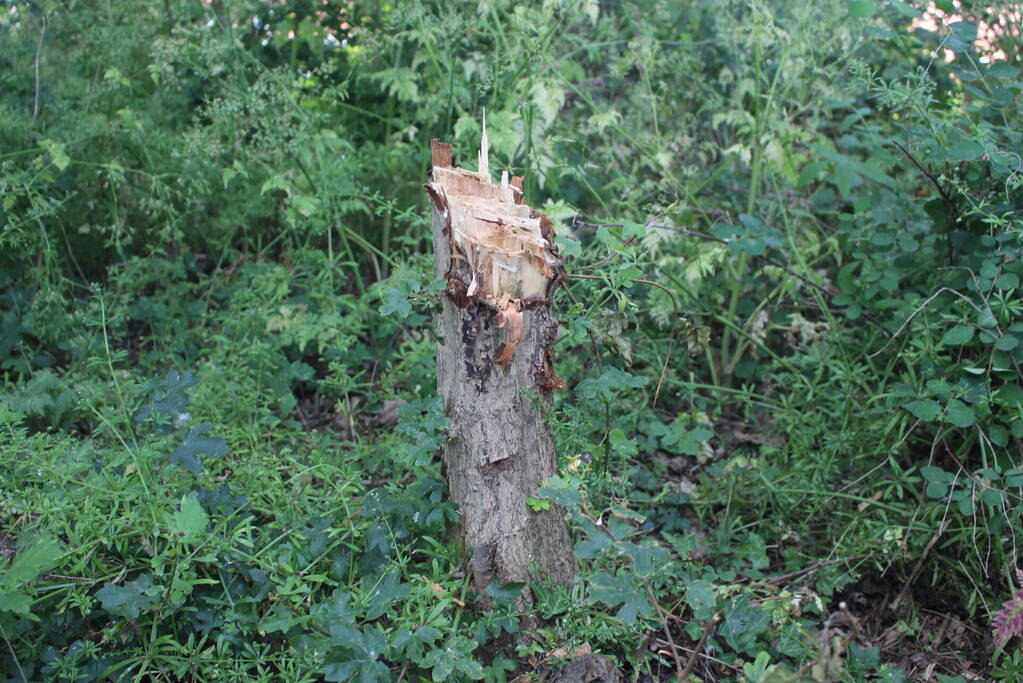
(790, 443)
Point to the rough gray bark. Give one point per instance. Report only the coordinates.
(495, 370)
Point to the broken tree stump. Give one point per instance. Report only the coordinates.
(495, 370)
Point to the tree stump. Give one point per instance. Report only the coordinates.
(495, 370)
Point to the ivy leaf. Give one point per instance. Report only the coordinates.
(742, 624)
(187, 454)
(700, 596)
(131, 599)
(507, 591)
(619, 590)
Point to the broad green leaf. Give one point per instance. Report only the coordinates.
(931, 473)
(905, 9)
(700, 596)
(1010, 395)
(190, 520)
(596, 540)
(395, 303)
(862, 9)
(961, 36)
(1007, 342)
(131, 599)
(619, 590)
(958, 335)
(387, 591)
(630, 229)
(279, 618)
(959, 414)
(685, 441)
(1007, 281)
(926, 409)
(30, 562)
(17, 602)
(622, 444)
(454, 655)
(570, 248)
(187, 454)
(743, 624)
(865, 658)
(992, 497)
(562, 491)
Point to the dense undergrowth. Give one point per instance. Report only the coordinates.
(790, 443)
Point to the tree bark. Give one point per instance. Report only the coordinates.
(495, 370)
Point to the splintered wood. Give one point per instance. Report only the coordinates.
(499, 250)
(495, 371)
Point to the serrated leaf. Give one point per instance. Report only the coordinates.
(190, 520)
(57, 153)
(30, 562)
(608, 384)
(16, 602)
(395, 302)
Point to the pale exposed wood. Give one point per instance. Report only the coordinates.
(495, 371)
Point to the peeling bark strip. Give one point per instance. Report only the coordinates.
(495, 369)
